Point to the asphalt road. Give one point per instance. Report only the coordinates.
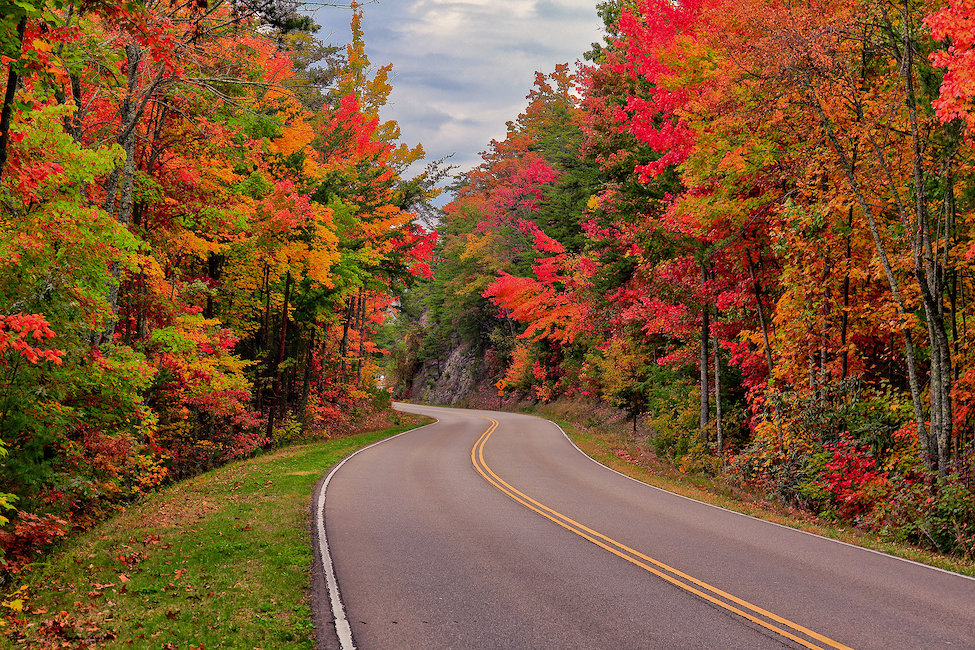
(491, 530)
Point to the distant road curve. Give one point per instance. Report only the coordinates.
(491, 530)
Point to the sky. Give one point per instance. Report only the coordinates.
(462, 68)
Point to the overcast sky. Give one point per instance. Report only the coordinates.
(462, 68)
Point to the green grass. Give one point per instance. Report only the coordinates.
(222, 560)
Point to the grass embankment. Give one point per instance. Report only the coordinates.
(222, 560)
(613, 445)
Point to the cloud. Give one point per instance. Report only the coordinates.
(462, 68)
(561, 11)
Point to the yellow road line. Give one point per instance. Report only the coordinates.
(644, 561)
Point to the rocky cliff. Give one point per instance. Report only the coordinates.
(447, 381)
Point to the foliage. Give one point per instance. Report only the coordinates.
(942, 518)
(763, 207)
(851, 479)
(200, 235)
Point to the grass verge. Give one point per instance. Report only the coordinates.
(605, 434)
(218, 561)
(623, 454)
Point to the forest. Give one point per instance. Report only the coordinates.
(749, 226)
(203, 223)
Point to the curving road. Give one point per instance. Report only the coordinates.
(491, 530)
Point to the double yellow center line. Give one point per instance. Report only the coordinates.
(757, 615)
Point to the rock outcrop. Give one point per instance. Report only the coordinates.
(447, 381)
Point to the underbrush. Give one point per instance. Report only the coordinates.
(867, 484)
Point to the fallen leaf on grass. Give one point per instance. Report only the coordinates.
(16, 605)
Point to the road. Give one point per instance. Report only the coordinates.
(491, 530)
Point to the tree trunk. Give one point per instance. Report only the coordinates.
(283, 339)
(119, 189)
(704, 360)
(362, 329)
(8, 100)
(766, 343)
(717, 395)
(276, 392)
(141, 322)
(845, 316)
(75, 121)
(214, 268)
(264, 336)
(824, 328)
(929, 274)
(344, 344)
(306, 379)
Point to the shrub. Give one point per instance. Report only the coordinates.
(937, 514)
(782, 463)
(31, 535)
(850, 478)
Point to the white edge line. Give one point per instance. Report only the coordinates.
(742, 514)
(734, 512)
(342, 627)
